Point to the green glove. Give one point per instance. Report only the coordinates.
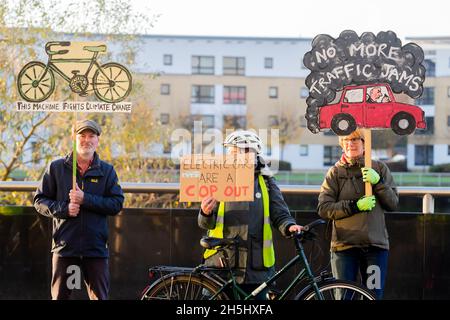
(366, 203)
(370, 175)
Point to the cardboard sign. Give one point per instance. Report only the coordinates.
(225, 177)
(365, 70)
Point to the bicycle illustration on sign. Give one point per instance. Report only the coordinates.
(77, 64)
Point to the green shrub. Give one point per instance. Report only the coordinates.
(284, 166)
(445, 167)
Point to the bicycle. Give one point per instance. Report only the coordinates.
(111, 82)
(204, 283)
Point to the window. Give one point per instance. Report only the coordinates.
(234, 122)
(430, 127)
(303, 150)
(273, 92)
(304, 92)
(273, 121)
(233, 95)
(202, 94)
(167, 59)
(354, 96)
(448, 150)
(234, 66)
(423, 155)
(206, 121)
(448, 92)
(427, 97)
(268, 63)
(164, 118)
(165, 89)
(202, 65)
(430, 67)
(448, 121)
(377, 94)
(331, 154)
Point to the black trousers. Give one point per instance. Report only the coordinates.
(67, 273)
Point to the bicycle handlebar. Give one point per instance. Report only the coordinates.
(56, 43)
(308, 228)
(313, 224)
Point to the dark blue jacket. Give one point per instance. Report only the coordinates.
(85, 235)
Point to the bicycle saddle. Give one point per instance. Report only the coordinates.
(101, 48)
(211, 243)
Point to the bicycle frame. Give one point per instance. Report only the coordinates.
(51, 65)
(306, 272)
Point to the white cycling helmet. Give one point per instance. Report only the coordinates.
(244, 139)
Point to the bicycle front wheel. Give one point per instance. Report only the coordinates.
(35, 82)
(183, 287)
(336, 290)
(112, 82)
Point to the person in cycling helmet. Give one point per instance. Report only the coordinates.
(250, 222)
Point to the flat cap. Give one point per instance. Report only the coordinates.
(88, 125)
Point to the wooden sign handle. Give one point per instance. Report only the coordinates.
(368, 157)
(74, 153)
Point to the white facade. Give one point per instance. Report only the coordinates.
(312, 160)
(287, 54)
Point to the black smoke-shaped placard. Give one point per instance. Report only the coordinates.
(354, 60)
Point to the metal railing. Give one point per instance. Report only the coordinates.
(427, 193)
(425, 179)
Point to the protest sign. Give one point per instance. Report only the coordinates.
(225, 177)
(352, 84)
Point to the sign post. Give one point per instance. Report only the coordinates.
(368, 157)
(74, 152)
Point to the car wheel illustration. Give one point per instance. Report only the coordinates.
(343, 124)
(403, 123)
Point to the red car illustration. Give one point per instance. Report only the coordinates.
(370, 106)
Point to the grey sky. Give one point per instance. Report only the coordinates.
(294, 18)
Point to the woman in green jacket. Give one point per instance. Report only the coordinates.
(360, 240)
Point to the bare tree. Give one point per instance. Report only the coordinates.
(288, 124)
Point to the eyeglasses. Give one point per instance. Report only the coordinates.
(354, 140)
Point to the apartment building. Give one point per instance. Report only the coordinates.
(433, 145)
(258, 83)
(235, 82)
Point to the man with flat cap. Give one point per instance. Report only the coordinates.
(80, 226)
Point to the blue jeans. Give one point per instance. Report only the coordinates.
(370, 263)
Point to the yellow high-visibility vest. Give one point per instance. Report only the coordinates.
(268, 250)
